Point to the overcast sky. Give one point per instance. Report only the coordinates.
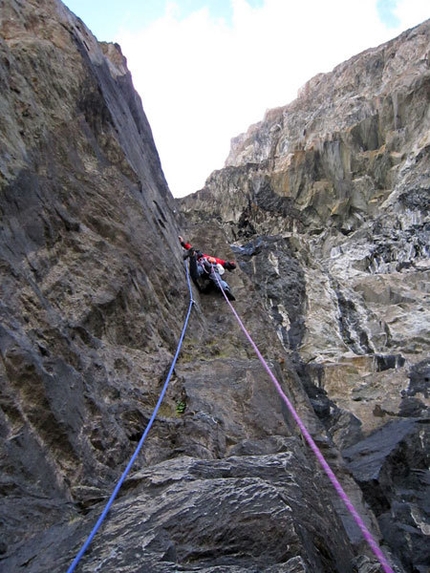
(207, 70)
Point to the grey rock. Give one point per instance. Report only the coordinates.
(326, 205)
(329, 227)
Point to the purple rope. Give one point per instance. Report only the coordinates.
(336, 484)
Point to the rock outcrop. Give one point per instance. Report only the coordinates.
(326, 205)
(93, 298)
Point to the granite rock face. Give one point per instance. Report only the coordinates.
(93, 299)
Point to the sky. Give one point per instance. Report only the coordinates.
(206, 70)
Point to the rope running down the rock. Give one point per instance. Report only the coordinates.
(142, 439)
(336, 484)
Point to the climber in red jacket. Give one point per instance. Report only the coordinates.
(203, 266)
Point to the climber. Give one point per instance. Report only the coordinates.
(206, 270)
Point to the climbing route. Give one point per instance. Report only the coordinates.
(142, 439)
(335, 482)
(329, 472)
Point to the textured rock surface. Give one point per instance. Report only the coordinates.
(93, 297)
(326, 205)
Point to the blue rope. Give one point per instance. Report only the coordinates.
(142, 439)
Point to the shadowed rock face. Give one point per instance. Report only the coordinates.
(93, 298)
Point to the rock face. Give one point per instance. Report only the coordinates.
(93, 298)
(326, 205)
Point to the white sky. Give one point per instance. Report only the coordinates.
(207, 70)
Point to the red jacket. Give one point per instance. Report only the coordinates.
(209, 257)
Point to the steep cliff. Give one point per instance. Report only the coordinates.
(326, 205)
(93, 298)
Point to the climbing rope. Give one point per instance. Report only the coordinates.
(142, 439)
(339, 489)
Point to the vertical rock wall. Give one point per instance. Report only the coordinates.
(326, 204)
(93, 296)
(89, 265)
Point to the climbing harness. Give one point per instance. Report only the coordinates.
(335, 482)
(142, 439)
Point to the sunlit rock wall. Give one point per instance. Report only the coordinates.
(326, 206)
